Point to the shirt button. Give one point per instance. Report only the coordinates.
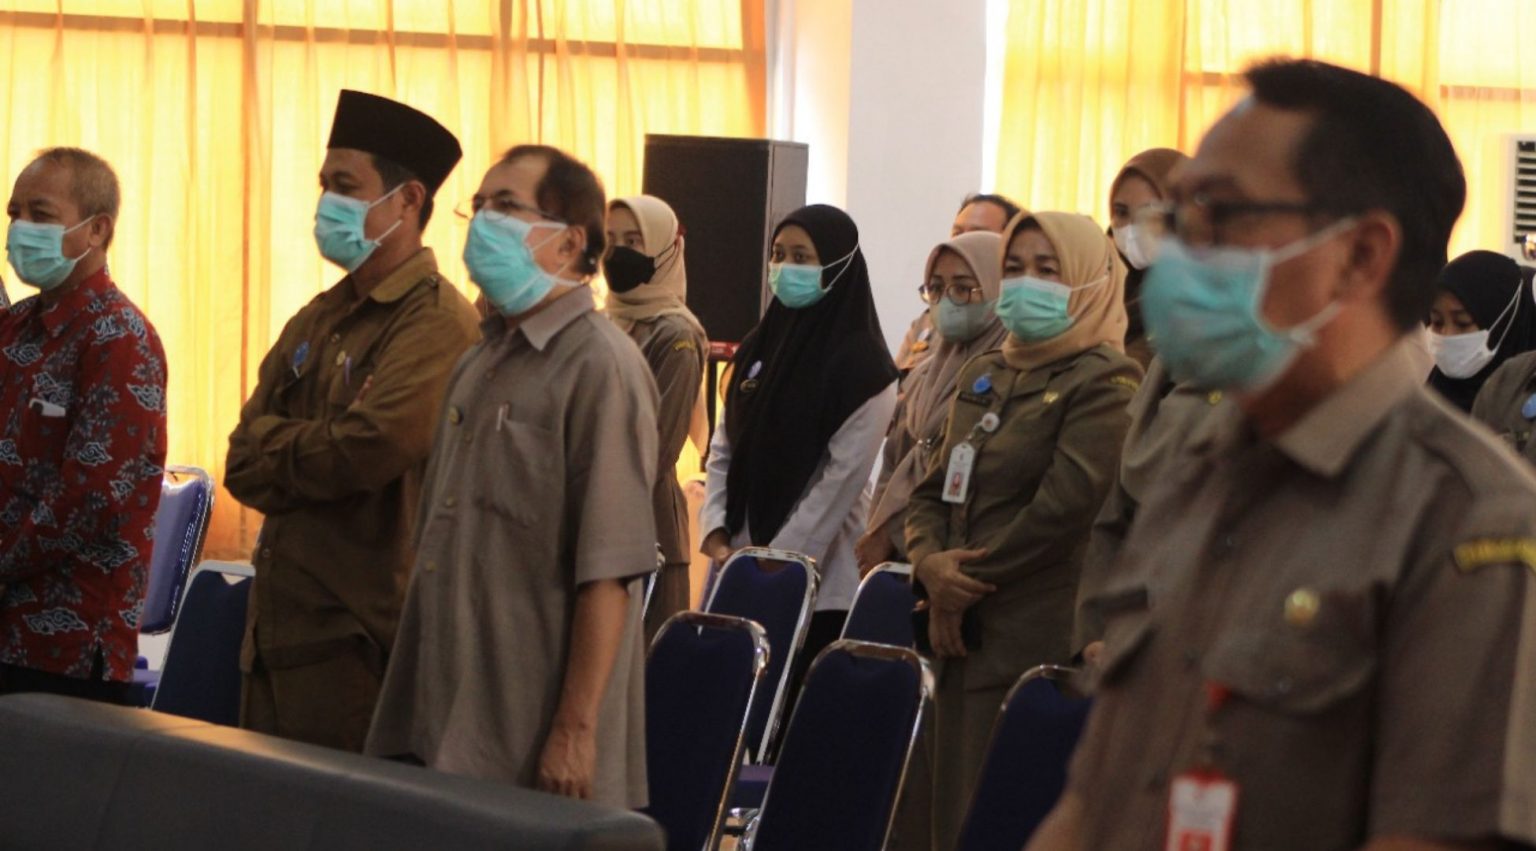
(1229, 543)
(431, 567)
(1191, 660)
(1281, 687)
(335, 338)
(1157, 780)
(266, 552)
(450, 502)
(467, 439)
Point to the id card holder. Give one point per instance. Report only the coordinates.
(1202, 806)
(957, 478)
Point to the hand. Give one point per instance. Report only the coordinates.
(362, 392)
(873, 549)
(944, 634)
(717, 545)
(1093, 653)
(947, 587)
(568, 762)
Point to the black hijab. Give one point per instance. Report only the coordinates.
(1485, 282)
(797, 378)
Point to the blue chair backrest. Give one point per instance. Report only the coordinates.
(181, 521)
(845, 754)
(1026, 765)
(699, 681)
(201, 678)
(779, 600)
(882, 608)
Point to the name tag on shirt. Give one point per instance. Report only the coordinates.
(46, 408)
(1201, 809)
(957, 479)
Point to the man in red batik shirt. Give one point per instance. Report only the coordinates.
(82, 440)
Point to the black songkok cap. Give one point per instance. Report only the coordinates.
(396, 132)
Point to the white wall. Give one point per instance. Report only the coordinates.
(891, 97)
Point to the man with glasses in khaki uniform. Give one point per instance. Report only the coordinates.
(1320, 633)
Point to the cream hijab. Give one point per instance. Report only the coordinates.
(931, 385)
(1098, 313)
(667, 292)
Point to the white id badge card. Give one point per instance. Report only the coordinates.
(957, 479)
(1201, 809)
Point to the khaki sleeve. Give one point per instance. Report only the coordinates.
(1104, 543)
(611, 462)
(1493, 402)
(1083, 466)
(243, 474)
(679, 372)
(927, 523)
(374, 441)
(1455, 744)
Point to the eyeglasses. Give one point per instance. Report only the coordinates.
(1203, 220)
(958, 293)
(502, 203)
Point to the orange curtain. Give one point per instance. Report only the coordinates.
(1088, 83)
(215, 115)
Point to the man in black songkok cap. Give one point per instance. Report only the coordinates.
(332, 444)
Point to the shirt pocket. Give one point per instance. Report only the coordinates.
(1315, 653)
(522, 479)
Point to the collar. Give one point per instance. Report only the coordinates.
(1326, 437)
(57, 316)
(397, 284)
(542, 327)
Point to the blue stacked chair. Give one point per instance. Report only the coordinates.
(882, 607)
(1025, 769)
(700, 677)
(181, 525)
(201, 678)
(845, 755)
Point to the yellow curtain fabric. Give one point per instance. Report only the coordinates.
(1088, 83)
(215, 115)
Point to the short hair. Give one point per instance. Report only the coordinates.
(92, 185)
(1008, 207)
(394, 174)
(1373, 145)
(572, 192)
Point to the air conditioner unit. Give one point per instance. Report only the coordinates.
(1520, 208)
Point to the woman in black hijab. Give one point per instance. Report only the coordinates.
(812, 391)
(1483, 315)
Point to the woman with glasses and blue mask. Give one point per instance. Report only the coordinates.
(812, 391)
(997, 528)
(1483, 315)
(520, 655)
(961, 289)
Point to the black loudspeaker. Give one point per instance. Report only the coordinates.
(728, 194)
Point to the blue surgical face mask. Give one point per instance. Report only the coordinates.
(1034, 309)
(1203, 311)
(339, 222)
(36, 252)
(501, 262)
(961, 323)
(799, 286)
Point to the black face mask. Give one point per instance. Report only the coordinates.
(626, 269)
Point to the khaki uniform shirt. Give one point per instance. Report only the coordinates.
(1501, 404)
(1038, 481)
(540, 476)
(338, 479)
(1363, 586)
(1163, 414)
(675, 352)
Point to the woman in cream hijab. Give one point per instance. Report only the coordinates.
(647, 291)
(997, 527)
(960, 286)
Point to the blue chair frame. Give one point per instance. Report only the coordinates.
(156, 617)
(678, 817)
(185, 688)
(795, 759)
(874, 614)
(731, 595)
(1025, 769)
